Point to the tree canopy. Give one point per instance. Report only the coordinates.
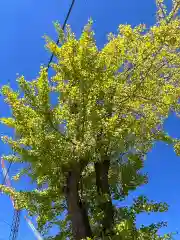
(88, 149)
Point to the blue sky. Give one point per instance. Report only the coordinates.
(23, 23)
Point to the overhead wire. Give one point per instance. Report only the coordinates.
(8, 170)
(49, 62)
(63, 27)
(8, 224)
(16, 217)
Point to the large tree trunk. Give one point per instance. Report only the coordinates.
(102, 169)
(76, 209)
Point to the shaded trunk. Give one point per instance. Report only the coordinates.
(102, 181)
(76, 209)
(102, 169)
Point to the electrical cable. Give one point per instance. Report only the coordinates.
(8, 224)
(3, 221)
(63, 27)
(50, 60)
(8, 170)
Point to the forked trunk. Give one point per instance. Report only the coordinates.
(76, 209)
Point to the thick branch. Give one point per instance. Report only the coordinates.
(102, 169)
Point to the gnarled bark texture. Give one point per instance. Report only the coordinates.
(102, 169)
(76, 209)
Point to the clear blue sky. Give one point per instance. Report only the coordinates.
(22, 24)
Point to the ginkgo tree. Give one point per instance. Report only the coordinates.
(88, 149)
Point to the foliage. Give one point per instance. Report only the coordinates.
(110, 103)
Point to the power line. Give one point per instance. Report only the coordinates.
(3, 221)
(63, 27)
(50, 60)
(8, 170)
(16, 217)
(8, 224)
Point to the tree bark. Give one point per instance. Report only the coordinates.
(102, 183)
(76, 209)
